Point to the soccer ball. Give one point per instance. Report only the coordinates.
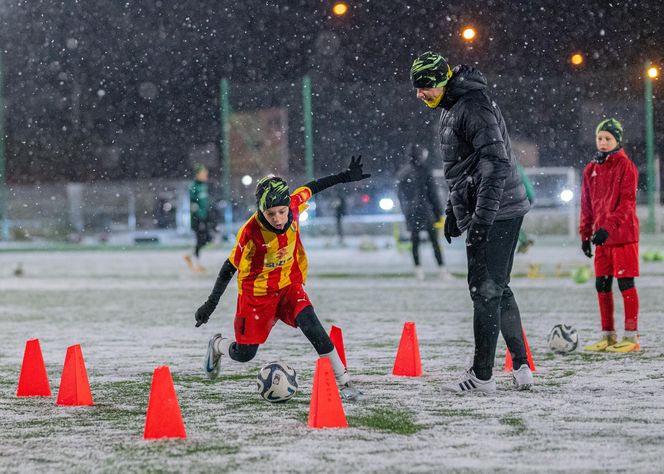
(581, 275)
(562, 338)
(277, 382)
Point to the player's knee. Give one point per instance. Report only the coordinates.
(603, 284)
(625, 283)
(486, 290)
(243, 352)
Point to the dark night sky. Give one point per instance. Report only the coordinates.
(143, 75)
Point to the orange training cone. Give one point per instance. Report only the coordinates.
(338, 340)
(325, 409)
(163, 419)
(408, 363)
(33, 381)
(508, 357)
(74, 386)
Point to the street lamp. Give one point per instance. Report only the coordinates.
(340, 9)
(468, 33)
(651, 73)
(577, 59)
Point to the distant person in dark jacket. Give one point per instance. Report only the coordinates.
(199, 206)
(420, 204)
(340, 210)
(487, 200)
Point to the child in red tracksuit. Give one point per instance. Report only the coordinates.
(608, 220)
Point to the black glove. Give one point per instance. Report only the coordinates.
(354, 171)
(203, 313)
(600, 236)
(587, 249)
(450, 228)
(477, 235)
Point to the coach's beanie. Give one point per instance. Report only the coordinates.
(430, 70)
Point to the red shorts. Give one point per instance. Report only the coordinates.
(255, 315)
(620, 261)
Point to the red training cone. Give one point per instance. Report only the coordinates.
(338, 340)
(74, 386)
(33, 381)
(163, 419)
(508, 357)
(408, 363)
(325, 409)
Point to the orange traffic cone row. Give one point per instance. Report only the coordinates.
(163, 419)
(338, 340)
(408, 362)
(508, 357)
(325, 409)
(74, 386)
(33, 381)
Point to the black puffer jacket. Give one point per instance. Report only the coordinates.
(418, 197)
(480, 168)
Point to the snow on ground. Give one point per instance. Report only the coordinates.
(132, 311)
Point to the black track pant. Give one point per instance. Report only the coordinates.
(307, 321)
(494, 306)
(433, 238)
(203, 237)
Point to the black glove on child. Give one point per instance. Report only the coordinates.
(600, 236)
(587, 249)
(204, 312)
(450, 228)
(354, 171)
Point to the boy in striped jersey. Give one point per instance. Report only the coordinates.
(272, 268)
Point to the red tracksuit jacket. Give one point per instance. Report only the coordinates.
(608, 199)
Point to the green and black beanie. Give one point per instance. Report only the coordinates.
(612, 126)
(272, 191)
(430, 70)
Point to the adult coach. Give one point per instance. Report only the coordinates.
(487, 200)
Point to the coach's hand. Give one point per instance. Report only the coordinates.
(354, 171)
(600, 236)
(450, 228)
(204, 312)
(587, 248)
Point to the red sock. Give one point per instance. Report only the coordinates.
(631, 300)
(606, 310)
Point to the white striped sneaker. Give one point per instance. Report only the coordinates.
(469, 383)
(522, 378)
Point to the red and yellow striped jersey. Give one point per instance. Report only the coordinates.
(266, 261)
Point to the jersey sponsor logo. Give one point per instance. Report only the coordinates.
(278, 263)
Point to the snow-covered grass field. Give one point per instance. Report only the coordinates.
(133, 311)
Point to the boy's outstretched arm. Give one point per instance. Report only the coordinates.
(225, 274)
(352, 173)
